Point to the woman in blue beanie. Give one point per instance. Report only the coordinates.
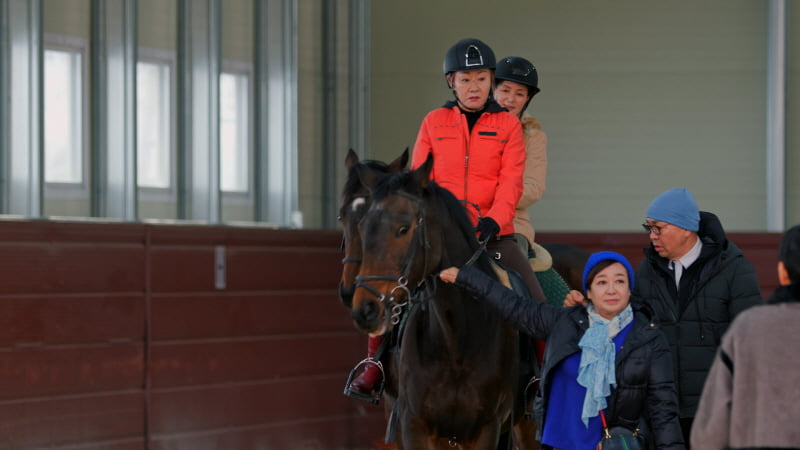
(606, 356)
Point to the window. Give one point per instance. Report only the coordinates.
(234, 132)
(63, 116)
(153, 118)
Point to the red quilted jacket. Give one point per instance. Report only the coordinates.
(483, 167)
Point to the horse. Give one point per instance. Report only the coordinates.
(457, 364)
(355, 202)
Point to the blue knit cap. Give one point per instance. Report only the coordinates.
(598, 257)
(676, 206)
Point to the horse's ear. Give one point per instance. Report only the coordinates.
(400, 163)
(368, 176)
(422, 176)
(351, 159)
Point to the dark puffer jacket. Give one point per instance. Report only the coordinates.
(725, 286)
(643, 365)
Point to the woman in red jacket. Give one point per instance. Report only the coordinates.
(479, 153)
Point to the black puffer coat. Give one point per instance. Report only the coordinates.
(725, 286)
(643, 364)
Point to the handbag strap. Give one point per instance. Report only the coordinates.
(606, 434)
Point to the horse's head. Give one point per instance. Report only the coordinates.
(403, 236)
(355, 202)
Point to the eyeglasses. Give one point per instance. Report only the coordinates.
(655, 229)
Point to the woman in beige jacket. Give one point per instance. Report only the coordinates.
(516, 82)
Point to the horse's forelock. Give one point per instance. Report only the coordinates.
(353, 183)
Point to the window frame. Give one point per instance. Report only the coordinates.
(238, 197)
(66, 190)
(150, 193)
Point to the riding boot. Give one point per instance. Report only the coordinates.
(365, 382)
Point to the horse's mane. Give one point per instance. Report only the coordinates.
(439, 199)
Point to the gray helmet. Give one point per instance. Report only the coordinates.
(518, 70)
(468, 54)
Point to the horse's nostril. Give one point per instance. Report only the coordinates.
(366, 316)
(370, 310)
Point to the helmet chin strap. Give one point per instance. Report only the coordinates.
(522, 111)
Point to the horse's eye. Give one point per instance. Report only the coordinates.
(402, 231)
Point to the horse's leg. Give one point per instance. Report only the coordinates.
(413, 434)
(488, 437)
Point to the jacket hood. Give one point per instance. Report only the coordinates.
(711, 228)
(786, 294)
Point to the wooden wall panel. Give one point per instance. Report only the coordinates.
(247, 404)
(235, 314)
(69, 370)
(74, 318)
(112, 420)
(217, 361)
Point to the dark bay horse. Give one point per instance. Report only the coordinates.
(458, 361)
(355, 202)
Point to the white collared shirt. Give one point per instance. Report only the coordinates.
(680, 264)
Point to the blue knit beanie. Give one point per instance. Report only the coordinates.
(598, 257)
(676, 206)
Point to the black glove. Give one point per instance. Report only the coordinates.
(487, 228)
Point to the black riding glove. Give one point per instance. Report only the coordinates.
(487, 229)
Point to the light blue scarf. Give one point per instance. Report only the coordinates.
(597, 369)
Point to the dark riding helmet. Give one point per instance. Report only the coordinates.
(468, 54)
(518, 70)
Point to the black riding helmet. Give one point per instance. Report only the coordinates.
(468, 54)
(518, 70)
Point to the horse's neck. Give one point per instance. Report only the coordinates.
(446, 324)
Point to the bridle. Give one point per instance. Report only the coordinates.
(419, 240)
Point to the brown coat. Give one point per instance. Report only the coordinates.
(534, 176)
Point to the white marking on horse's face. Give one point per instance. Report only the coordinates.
(358, 203)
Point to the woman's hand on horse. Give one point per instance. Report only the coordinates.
(449, 275)
(574, 298)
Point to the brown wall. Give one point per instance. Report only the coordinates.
(114, 337)
(761, 249)
(114, 333)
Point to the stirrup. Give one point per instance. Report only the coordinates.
(529, 399)
(377, 389)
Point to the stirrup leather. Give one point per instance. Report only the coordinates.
(529, 394)
(377, 390)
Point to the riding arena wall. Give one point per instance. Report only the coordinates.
(130, 336)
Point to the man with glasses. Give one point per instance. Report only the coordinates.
(696, 280)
